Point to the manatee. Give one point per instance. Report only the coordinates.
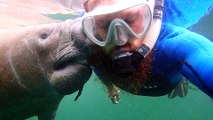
(40, 65)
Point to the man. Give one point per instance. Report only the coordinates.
(125, 56)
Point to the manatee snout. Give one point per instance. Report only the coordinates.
(71, 68)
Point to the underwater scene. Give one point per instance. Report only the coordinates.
(94, 103)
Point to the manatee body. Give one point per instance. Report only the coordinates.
(40, 65)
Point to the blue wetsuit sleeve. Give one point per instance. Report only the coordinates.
(192, 53)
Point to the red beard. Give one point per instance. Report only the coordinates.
(134, 80)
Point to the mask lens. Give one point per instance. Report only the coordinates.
(117, 28)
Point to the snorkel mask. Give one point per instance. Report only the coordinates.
(119, 31)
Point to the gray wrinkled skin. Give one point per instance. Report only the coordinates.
(40, 65)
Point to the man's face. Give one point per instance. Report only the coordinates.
(130, 16)
(105, 63)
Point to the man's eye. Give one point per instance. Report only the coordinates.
(129, 21)
(105, 25)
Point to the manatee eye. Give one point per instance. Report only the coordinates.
(44, 36)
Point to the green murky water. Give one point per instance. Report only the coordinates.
(93, 104)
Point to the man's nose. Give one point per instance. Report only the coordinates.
(121, 35)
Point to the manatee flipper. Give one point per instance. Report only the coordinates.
(47, 115)
(180, 90)
(50, 111)
(79, 93)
